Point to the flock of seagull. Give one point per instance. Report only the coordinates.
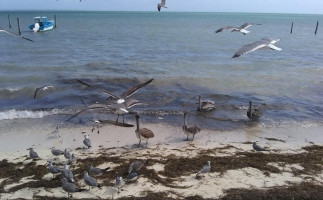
(120, 105)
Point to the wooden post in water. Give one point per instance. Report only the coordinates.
(54, 21)
(9, 21)
(317, 25)
(18, 22)
(291, 28)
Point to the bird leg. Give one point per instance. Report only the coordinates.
(123, 118)
(139, 143)
(93, 128)
(117, 119)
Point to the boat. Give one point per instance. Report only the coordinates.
(41, 24)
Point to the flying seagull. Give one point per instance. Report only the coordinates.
(161, 4)
(11, 33)
(42, 89)
(263, 43)
(119, 99)
(241, 29)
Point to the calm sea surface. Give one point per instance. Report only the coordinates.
(116, 50)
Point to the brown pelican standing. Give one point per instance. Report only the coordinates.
(254, 112)
(192, 130)
(143, 133)
(205, 105)
(263, 43)
(241, 29)
(10, 33)
(161, 4)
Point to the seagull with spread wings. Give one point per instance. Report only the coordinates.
(121, 98)
(261, 44)
(161, 4)
(242, 28)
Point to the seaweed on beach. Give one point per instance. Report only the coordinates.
(275, 139)
(302, 190)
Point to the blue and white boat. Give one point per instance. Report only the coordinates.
(41, 24)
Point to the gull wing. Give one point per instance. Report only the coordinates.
(247, 25)
(163, 2)
(92, 107)
(273, 47)
(100, 89)
(11, 33)
(250, 48)
(225, 29)
(134, 89)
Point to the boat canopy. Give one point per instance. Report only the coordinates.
(40, 19)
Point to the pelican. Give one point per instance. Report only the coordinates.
(263, 43)
(205, 105)
(241, 29)
(190, 130)
(161, 4)
(143, 133)
(10, 33)
(254, 112)
(119, 99)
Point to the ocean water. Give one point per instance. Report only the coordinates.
(116, 50)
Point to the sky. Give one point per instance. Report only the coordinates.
(257, 6)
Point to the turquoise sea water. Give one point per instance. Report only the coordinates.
(116, 50)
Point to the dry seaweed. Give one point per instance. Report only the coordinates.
(303, 190)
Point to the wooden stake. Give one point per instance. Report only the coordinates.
(54, 21)
(18, 21)
(9, 21)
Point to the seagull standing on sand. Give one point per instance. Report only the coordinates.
(161, 4)
(32, 153)
(143, 133)
(192, 130)
(136, 166)
(57, 152)
(55, 133)
(44, 88)
(205, 169)
(94, 171)
(205, 105)
(53, 169)
(256, 147)
(87, 141)
(67, 173)
(72, 160)
(70, 188)
(241, 29)
(10, 33)
(119, 99)
(119, 183)
(263, 43)
(90, 181)
(67, 154)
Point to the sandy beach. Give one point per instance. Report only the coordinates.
(293, 166)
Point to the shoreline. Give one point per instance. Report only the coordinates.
(173, 161)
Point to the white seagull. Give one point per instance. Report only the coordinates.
(161, 4)
(10, 33)
(242, 28)
(263, 43)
